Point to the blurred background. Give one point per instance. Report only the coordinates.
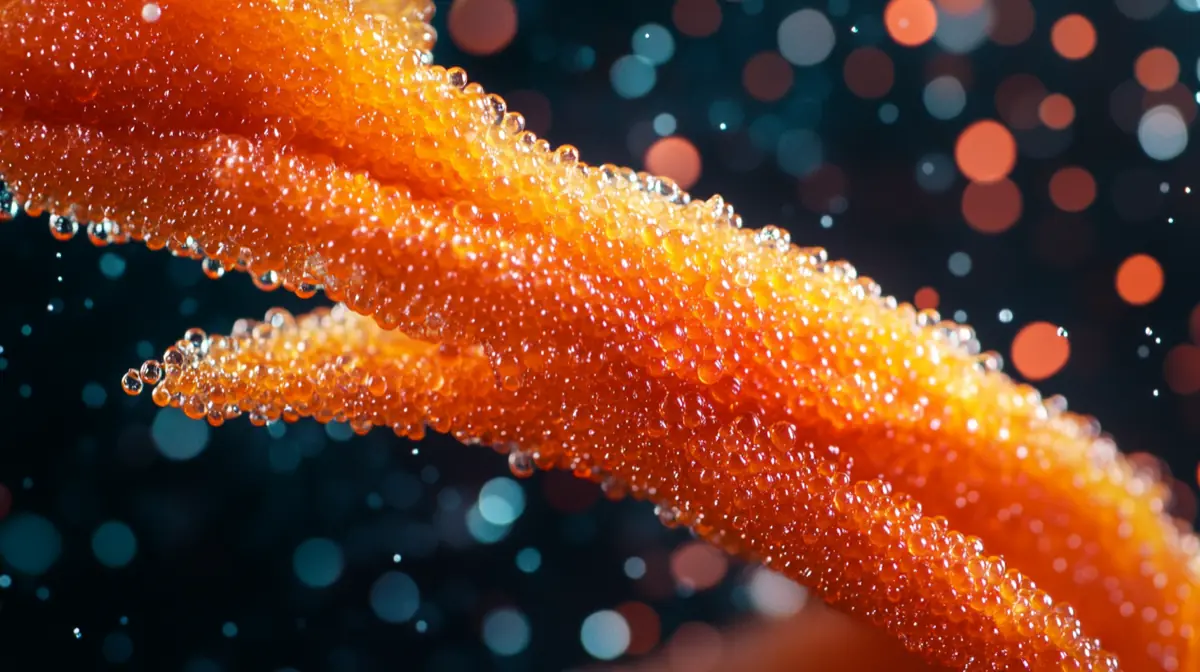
(1023, 169)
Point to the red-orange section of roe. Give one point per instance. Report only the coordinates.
(771, 400)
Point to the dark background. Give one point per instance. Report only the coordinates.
(216, 534)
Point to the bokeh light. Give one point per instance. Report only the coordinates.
(964, 30)
(767, 76)
(318, 562)
(926, 298)
(1012, 22)
(1141, 10)
(1073, 37)
(117, 648)
(177, 436)
(654, 43)
(394, 597)
(869, 72)
(1072, 189)
(806, 37)
(910, 22)
(1181, 368)
(645, 627)
(945, 97)
(1139, 279)
(986, 151)
(960, 264)
(775, 595)
(605, 635)
(1056, 111)
(501, 501)
(799, 151)
(992, 207)
(696, 18)
(114, 544)
(1040, 350)
(1163, 133)
(482, 27)
(529, 560)
(1018, 100)
(935, 173)
(676, 158)
(698, 565)
(506, 631)
(632, 76)
(29, 543)
(1156, 69)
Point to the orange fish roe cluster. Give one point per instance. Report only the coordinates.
(582, 317)
(859, 544)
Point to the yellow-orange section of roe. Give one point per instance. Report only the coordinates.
(758, 393)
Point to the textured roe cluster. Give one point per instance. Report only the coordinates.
(589, 318)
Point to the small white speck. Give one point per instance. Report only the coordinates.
(854, 29)
(1062, 332)
(151, 12)
(1156, 393)
(1149, 331)
(416, 451)
(1006, 315)
(422, 626)
(1164, 187)
(396, 558)
(78, 633)
(826, 221)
